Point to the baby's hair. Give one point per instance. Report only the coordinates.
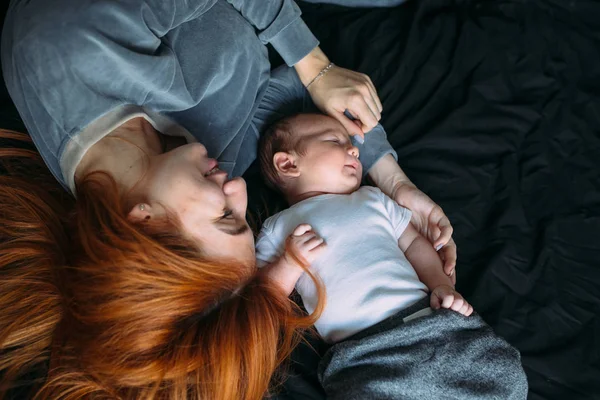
(278, 137)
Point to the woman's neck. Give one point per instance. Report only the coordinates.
(123, 153)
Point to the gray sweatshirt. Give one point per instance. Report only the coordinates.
(75, 69)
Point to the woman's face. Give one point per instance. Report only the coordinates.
(211, 208)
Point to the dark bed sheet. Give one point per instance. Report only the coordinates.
(494, 109)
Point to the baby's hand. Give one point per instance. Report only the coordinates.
(446, 297)
(303, 246)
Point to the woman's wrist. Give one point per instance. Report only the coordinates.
(387, 175)
(311, 65)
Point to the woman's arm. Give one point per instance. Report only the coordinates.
(341, 93)
(387, 175)
(278, 23)
(339, 90)
(428, 217)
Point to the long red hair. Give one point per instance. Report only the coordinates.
(99, 307)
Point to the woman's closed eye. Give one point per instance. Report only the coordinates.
(231, 227)
(227, 214)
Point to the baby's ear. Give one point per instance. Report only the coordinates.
(285, 164)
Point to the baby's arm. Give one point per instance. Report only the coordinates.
(302, 248)
(428, 266)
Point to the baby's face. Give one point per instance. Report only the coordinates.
(329, 162)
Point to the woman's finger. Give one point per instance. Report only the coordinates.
(373, 106)
(448, 254)
(453, 277)
(440, 224)
(374, 94)
(359, 107)
(444, 234)
(352, 127)
(433, 233)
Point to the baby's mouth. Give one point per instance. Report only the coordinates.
(353, 166)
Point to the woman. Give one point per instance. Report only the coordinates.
(148, 289)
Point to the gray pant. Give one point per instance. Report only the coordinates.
(440, 356)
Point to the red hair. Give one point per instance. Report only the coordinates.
(105, 308)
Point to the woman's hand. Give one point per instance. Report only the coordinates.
(430, 221)
(341, 89)
(427, 217)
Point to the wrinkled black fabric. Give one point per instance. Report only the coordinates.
(494, 110)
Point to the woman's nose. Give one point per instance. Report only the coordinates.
(234, 186)
(237, 198)
(200, 149)
(220, 179)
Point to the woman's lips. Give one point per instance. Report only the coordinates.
(212, 163)
(213, 167)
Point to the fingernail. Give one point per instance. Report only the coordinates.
(359, 139)
(438, 247)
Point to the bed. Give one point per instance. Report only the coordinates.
(494, 110)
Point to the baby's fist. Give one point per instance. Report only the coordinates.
(303, 246)
(445, 296)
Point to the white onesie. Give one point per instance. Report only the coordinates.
(366, 275)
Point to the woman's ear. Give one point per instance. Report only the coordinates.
(285, 164)
(140, 212)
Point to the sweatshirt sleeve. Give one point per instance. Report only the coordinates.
(278, 22)
(375, 146)
(67, 62)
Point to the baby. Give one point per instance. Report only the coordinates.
(398, 328)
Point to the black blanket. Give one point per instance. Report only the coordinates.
(494, 109)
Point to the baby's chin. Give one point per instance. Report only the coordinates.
(348, 188)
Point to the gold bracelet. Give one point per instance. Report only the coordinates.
(320, 75)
